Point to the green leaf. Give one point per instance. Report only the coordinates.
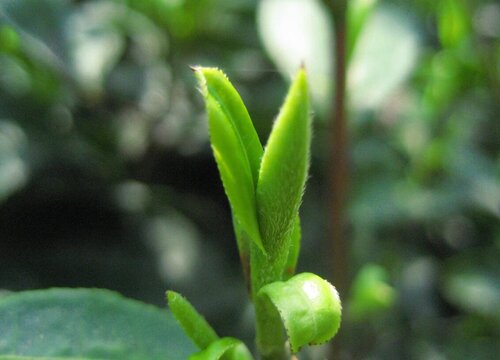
(283, 171)
(244, 251)
(453, 22)
(308, 306)
(227, 348)
(87, 323)
(294, 250)
(193, 323)
(216, 84)
(385, 55)
(237, 149)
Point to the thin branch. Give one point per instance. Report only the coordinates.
(339, 171)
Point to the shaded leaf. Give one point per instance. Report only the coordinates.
(87, 323)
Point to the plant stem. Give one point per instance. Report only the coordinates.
(339, 173)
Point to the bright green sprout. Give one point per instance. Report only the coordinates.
(264, 187)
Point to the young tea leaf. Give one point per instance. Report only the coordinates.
(294, 250)
(283, 171)
(193, 323)
(237, 149)
(226, 348)
(216, 84)
(308, 306)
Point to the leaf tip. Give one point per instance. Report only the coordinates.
(172, 296)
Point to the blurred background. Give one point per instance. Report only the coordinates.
(107, 178)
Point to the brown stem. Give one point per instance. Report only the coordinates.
(339, 172)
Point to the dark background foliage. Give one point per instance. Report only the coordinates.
(107, 178)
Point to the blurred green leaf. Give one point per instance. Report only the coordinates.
(13, 357)
(358, 13)
(44, 32)
(93, 324)
(453, 22)
(96, 42)
(371, 294)
(387, 47)
(14, 170)
(386, 54)
(9, 39)
(297, 32)
(474, 286)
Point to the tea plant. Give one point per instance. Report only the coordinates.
(264, 188)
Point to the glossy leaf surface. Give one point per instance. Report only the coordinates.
(227, 348)
(87, 323)
(308, 306)
(236, 148)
